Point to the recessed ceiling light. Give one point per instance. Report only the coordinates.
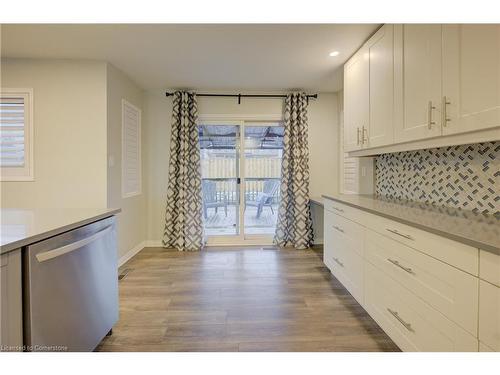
(334, 53)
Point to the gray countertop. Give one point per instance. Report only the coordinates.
(474, 229)
(22, 227)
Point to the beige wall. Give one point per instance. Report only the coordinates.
(77, 126)
(157, 120)
(323, 140)
(69, 113)
(132, 220)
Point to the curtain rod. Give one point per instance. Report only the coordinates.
(239, 96)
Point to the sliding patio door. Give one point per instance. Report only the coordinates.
(220, 179)
(241, 175)
(263, 147)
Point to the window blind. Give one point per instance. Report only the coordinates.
(12, 132)
(131, 150)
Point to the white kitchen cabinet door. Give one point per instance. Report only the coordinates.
(11, 331)
(489, 315)
(356, 100)
(489, 267)
(381, 57)
(327, 239)
(471, 77)
(343, 254)
(418, 81)
(484, 348)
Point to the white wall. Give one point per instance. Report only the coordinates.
(69, 114)
(131, 221)
(323, 140)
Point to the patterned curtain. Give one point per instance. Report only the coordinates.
(183, 217)
(294, 228)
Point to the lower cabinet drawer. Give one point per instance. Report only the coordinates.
(459, 255)
(347, 230)
(410, 322)
(489, 315)
(342, 258)
(452, 292)
(347, 267)
(344, 210)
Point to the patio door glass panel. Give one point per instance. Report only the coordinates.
(219, 149)
(263, 152)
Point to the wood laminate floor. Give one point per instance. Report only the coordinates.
(238, 299)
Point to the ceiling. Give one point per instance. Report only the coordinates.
(216, 57)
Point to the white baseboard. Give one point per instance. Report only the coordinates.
(127, 256)
(153, 243)
(158, 243)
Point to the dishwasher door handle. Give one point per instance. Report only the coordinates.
(51, 254)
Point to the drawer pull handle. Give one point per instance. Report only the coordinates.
(337, 209)
(339, 229)
(397, 264)
(338, 262)
(400, 320)
(400, 234)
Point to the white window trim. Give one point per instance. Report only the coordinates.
(139, 141)
(25, 173)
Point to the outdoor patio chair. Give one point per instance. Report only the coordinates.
(265, 198)
(209, 191)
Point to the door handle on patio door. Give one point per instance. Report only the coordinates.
(238, 181)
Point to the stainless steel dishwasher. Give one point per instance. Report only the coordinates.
(71, 289)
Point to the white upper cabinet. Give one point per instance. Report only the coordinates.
(471, 77)
(418, 81)
(381, 59)
(423, 85)
(356, 100)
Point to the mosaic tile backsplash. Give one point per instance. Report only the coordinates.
(466, 176)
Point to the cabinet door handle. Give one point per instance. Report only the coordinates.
(357, 136)
(337, 209)
(430, 107)
(400, 320)
(338, 262)
(365, 131)
(400, 234)
(339, 229)
(397, 264)
(444, 119)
